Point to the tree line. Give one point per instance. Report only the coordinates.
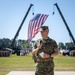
(21, 44)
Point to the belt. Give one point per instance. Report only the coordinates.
(45, 60)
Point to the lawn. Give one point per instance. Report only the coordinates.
(25, 63)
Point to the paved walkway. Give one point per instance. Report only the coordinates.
(33, 73)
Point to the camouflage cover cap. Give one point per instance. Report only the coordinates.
(43, 28)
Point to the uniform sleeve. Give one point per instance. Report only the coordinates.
(35, 45)
(55, 47)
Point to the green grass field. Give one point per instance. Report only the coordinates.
(25, 63)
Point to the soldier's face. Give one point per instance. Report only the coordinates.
(44, 33)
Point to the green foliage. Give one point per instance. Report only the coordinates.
(25, 45)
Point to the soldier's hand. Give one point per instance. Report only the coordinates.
(39, 46)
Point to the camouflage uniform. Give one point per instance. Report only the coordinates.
(49, 46)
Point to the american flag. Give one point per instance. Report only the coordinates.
(34, 25)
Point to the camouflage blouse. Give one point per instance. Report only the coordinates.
(49, 46)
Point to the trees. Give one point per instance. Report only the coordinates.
(5, 43)
(61, 46)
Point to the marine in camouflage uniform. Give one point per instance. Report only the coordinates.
(45, 66)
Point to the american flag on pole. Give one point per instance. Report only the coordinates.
(34, 25)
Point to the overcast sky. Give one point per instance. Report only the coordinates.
(13, 11)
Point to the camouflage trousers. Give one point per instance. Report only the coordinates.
(45, 68)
